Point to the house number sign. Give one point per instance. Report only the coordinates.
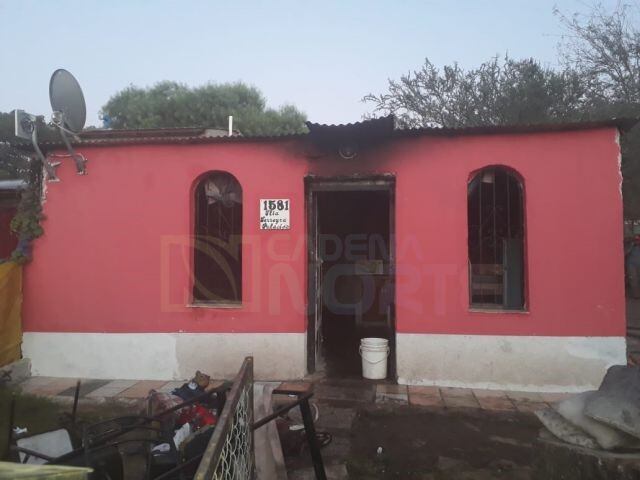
(274, 214)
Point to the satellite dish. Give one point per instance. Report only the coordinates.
(69, 111)
(69, 116)
(67, 100)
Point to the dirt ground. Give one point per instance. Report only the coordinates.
(413, 443)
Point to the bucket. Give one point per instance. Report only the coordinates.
(374, 353)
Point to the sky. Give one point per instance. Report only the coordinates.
(320, 56)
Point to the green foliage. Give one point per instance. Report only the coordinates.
(495, 93)
(15, 164)
(171, 104)
(26, 223)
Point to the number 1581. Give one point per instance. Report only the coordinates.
(276, 204)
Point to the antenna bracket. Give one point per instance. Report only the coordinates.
(81, 161)
(26, 128)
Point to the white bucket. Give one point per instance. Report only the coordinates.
(374, 353)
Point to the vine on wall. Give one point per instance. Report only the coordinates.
(26, 223)
(16, 165)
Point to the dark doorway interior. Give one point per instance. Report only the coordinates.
(355, 274)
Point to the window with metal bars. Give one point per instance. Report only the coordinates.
(218, 240)
(496, 232)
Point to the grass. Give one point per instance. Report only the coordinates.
(41, 414)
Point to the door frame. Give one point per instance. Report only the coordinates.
(314, 184)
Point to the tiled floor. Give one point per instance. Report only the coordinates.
(48, 385)
(469, 398)
(337, 392)
(141, 389)
(96, 389)
(112, 389)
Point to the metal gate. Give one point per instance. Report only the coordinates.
(229, 454)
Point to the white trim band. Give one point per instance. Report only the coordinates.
(525, 363)
(164, 356)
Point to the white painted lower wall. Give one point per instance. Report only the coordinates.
(526, 363)
(164, 356)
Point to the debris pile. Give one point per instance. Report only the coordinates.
(169, 439)
(603, 419)
(190, 412)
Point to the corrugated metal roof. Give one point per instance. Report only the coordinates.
(620, 123)
(167, 139)
(372, 126)
(100, 133)
(195, 135)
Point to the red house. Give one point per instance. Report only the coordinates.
(489, 257)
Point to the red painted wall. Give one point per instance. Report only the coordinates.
(115, 256)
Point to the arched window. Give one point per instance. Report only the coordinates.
(218, 239)
(496, 239)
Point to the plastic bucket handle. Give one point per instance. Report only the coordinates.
(377, 361)
(374, 341)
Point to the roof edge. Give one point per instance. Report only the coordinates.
(189, 135)
(619, 123)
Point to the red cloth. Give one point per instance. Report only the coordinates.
(197, 415)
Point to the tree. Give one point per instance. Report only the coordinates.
(599, 78)
(495, 93)
(171, 104)
(604, 49)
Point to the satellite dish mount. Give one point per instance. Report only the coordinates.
(69, 116)
(69, 111)
(26, 127)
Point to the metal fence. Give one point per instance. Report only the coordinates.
(230, 454)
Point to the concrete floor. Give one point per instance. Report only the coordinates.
(335, 391)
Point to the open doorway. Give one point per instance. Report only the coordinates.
(351, 271)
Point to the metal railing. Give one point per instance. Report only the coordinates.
(230, 454)
(302, 401)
